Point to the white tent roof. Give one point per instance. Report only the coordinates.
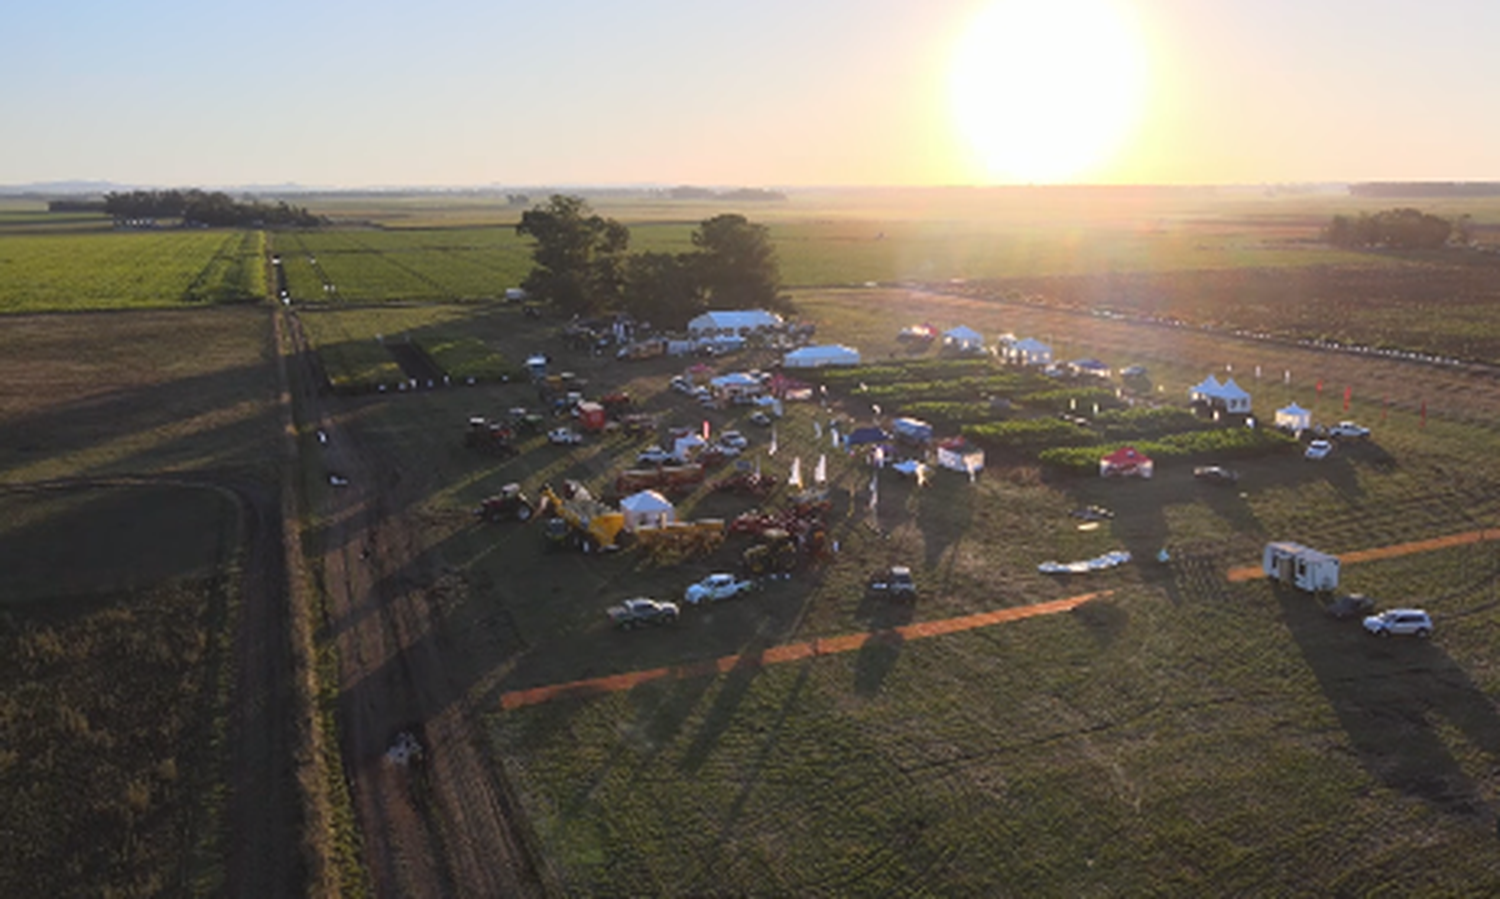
(815, 355)
(1231, 390)
(1209, 387)
(646, 501)
(735, 379)
(735, 319)
(1292, 409)
(963, 334)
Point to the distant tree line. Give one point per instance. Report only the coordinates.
(1398, 229)
(1425, 189)
(204, 208)
(740, 195)
(75, 205)
(582, 265)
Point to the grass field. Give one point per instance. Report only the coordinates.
(1184, 736)
(77, 272)
(115, 628)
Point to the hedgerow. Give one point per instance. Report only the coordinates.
(1221, 444)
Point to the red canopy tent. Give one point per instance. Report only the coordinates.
(1125, 462)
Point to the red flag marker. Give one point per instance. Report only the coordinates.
(1424, 413)
(1348, 391)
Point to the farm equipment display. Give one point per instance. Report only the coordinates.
(667, 479)
(747, 483)
(674, 541)
(491, 437)
(777, 553)
(510, 504)
(803, 521)
(580, 521)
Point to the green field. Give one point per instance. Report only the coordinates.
(1184, 736)
(79, 272)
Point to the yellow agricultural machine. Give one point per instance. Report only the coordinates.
(678, 540)
(580, 521)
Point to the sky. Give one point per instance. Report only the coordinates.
(776, 93)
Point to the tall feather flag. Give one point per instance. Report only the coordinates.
(878, 457)
(795, 478)
(1286, 377)
(818, 430)
(1348, 392)
(874, 491)
(705, 430)
(771, 450)
(833, 435)
(820, 473)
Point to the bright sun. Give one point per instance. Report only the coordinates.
(1045, 91)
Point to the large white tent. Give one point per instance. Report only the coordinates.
(963, 338)
(1029, 351)
(647, 509)
(1228, 396)
(733, 322)
(819, 356)
(1294, 418)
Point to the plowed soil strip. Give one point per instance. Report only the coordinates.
(790, 652)
(1386, 552)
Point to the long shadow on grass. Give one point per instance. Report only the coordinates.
(1392, 696)
(945, 512)
(878, 656)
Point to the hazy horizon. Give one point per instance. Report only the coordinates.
(335, 95)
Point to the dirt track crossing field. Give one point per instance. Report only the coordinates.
(1251, 572)
(444, 827)
(792, 652)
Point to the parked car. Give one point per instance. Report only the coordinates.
(1317, 450)
(895, 582)
(761, 419)
(655, 455)
(1093, 513)
(633, 613)
(1401, 622)
(716, 587)
(1348, 430)
(734, 439)
(1216, 474)
(681, 384)
(564, 437)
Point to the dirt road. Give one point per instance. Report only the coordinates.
(442, 828)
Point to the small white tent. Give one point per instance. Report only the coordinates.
(647, 509)
(1027, 352)
(819, 356)
(1293, 418)
(964, 339)
(1235, 399)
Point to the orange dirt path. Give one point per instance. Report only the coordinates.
(791, 652)
(1386, 552)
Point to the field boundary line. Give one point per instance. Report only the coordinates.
(1395, 550)
(790, 652)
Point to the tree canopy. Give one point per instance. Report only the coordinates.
(200, 207)
(579, 257)
(581, 266)
(1399, 229)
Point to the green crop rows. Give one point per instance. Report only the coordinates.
(129, 270)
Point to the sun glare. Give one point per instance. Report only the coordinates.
(1045, 91)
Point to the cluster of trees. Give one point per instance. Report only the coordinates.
(1398, 229)
(200, 207)
(582, 265)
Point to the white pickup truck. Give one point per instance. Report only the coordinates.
(1348, 429)
(716, 587)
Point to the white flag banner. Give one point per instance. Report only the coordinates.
(833, 434)
(795, 478)
(879, 456)
(772, 450)
(818, 430)
(820, 473)
(874, 491)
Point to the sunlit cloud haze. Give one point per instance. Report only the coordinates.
(781, 92)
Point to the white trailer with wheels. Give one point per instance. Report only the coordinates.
(1297, 566)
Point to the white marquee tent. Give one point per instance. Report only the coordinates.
(1294, 418)
(647, 509)
(819, 356)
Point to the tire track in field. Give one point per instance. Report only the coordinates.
(791, 652)
(1395, 550)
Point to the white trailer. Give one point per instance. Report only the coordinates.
(1297, 566)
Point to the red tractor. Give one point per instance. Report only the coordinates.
(490, 437)
(510, 504)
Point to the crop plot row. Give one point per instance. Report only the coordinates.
(352, 344)
(134, 270)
